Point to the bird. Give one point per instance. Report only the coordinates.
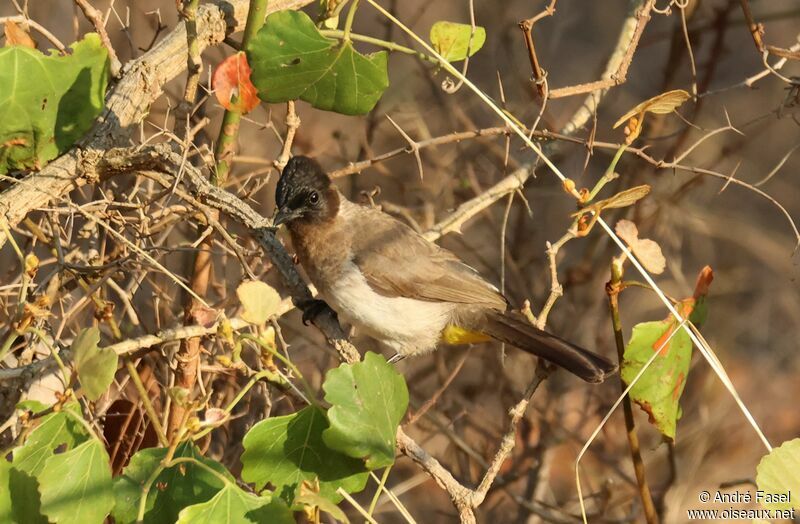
(389, 282)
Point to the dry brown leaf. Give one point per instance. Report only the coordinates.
(649, 254)
(624, 198)
(15, 35)
(659, 104)
(647, 251)
(627, 231)
(784, 53)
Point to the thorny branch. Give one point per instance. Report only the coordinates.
(96, 18)
(161, 163)
(526, 25)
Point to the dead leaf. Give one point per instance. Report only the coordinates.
(203, 315)
(259, 301)
(231, 84)
(647, 251)
(627, 231)
(704, 280)
(624, 198)
(659, 104)
(15, 35)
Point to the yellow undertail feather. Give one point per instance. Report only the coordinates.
(455, 335)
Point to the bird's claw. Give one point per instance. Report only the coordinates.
(312, 309)
(397, 357)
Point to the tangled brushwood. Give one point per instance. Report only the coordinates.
(622, 172)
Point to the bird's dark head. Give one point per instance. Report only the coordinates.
(304, 193)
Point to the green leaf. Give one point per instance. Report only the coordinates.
(285, 451)
(259, 301)
(6, 511)
(233, 505)
(778, 474)
(48, 101)
(95, 366)
(54, 430)
(76, 485)
(368, 399)
(34, 406)
(451, 40)
(312, 499)
(659, 389)
(57, 430)
(291, 60)
(174, 489)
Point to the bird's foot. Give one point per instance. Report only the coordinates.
(396, 358)
(313, 308)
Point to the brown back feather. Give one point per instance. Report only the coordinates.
(399, 262)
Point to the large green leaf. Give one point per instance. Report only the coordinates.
(285, 451)
(368, 399)
(778, 476)
(659, 389)
(76, 485)
(54, 430)
(48, 101)
(6, 511)
(95, 366)
(452, 40)
(174, 489)
(232, 505)
(291, 60)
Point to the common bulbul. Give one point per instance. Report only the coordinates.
(391, 283)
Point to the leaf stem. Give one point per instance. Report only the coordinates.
(374, 502)
(608, 175)
(229, 130)
(148, 406)
(309, 391)
(389, 46)
(348, 24)
(255, 378)
(167, 463)
(612, 290)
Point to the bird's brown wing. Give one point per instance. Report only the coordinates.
(399, 262)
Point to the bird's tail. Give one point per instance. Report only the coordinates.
(514, 329)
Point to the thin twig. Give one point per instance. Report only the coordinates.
(96, 18)
(539, 74)
(292, 123)
(616, 66)
(20, 19)
(613, 289)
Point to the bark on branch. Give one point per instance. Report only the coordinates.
(127, 104)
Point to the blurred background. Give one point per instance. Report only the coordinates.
(698, 220)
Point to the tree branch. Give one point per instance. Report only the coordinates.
(127, 104)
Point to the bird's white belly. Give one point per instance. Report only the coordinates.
(406, 325)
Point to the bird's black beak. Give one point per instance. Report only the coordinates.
(283, 215)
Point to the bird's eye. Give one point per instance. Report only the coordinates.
(313, 197)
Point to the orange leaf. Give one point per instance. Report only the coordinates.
(703, 282)
(231, 83)
(15, 35)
